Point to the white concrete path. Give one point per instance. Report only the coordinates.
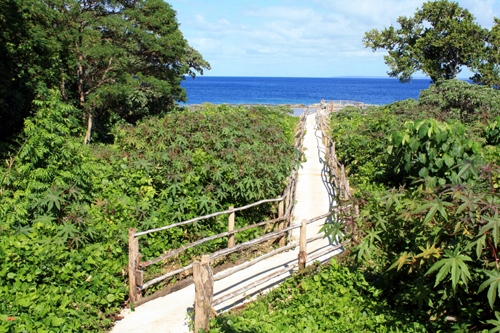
(313, 198)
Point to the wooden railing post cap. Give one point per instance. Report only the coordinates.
(205, 259)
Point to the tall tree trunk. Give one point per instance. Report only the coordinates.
(81, 94)
(89, 129)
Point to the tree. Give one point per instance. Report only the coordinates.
(128, 57)
(440, 39)
(27, 63)
(487, 67)
(112, 58)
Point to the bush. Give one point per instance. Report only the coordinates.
(429, 149)
(462, 100)
(65, 208)
(429, 211)
(325, 299)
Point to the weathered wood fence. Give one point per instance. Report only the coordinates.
(203, 276)
(337, 174)
(337, 170)
(330, 106)
(285, 205)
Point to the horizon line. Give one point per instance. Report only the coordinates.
(324, 77)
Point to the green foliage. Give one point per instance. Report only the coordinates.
(325, 299)
(428, 229)
(486, 67)
(65, 208)
(26, 65)
(360, 140)
(462, 100)
(439, 39)
(58, 271)
(429, 149)
(492, 132)
(113, 59)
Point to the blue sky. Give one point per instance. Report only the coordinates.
(291, 38)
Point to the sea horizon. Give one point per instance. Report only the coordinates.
(323, 77)
(298, 90)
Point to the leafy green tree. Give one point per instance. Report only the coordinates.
(125, 56)
(26, 62)
(486, 68)
(107, 57)
(440, 39)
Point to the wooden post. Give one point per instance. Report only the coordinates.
(230, 242)
(133, 274)
(282, 223)
(334, 157)
(303, 245)
(289, 202)
(204, 288)
(342, 178)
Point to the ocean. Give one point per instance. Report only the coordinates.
(275, 90)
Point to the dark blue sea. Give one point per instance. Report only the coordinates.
(275, 90)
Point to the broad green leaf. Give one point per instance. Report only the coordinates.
(414, 145)
(492, 226)
(448, 160)
(493, 282)
(424, 172)
(454, 264)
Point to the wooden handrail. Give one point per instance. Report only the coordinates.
(288, 196)
(273, 275)
(206, 239)
(208, 216)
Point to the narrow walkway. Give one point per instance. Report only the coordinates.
(170, 313)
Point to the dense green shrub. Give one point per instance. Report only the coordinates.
(429, 149)
(325, 299)
(361, 141)
(462, 100)
(65, 208)
(435, 248)
(60, 271)
(427, 232)
(492, 132)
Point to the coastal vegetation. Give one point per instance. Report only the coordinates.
(66, 207)
(93, 142)
(423, 255)
(427, 189)
(438, 40)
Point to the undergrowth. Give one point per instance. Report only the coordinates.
(426, 176)
(65, 208)
(334, 298)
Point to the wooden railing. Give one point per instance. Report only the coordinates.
(285, 206)
(336, 105)
(337, 170)
(203, 276)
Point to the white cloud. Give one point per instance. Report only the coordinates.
(369, 12)
(201, 24)
(324, 38)
(483, 10)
